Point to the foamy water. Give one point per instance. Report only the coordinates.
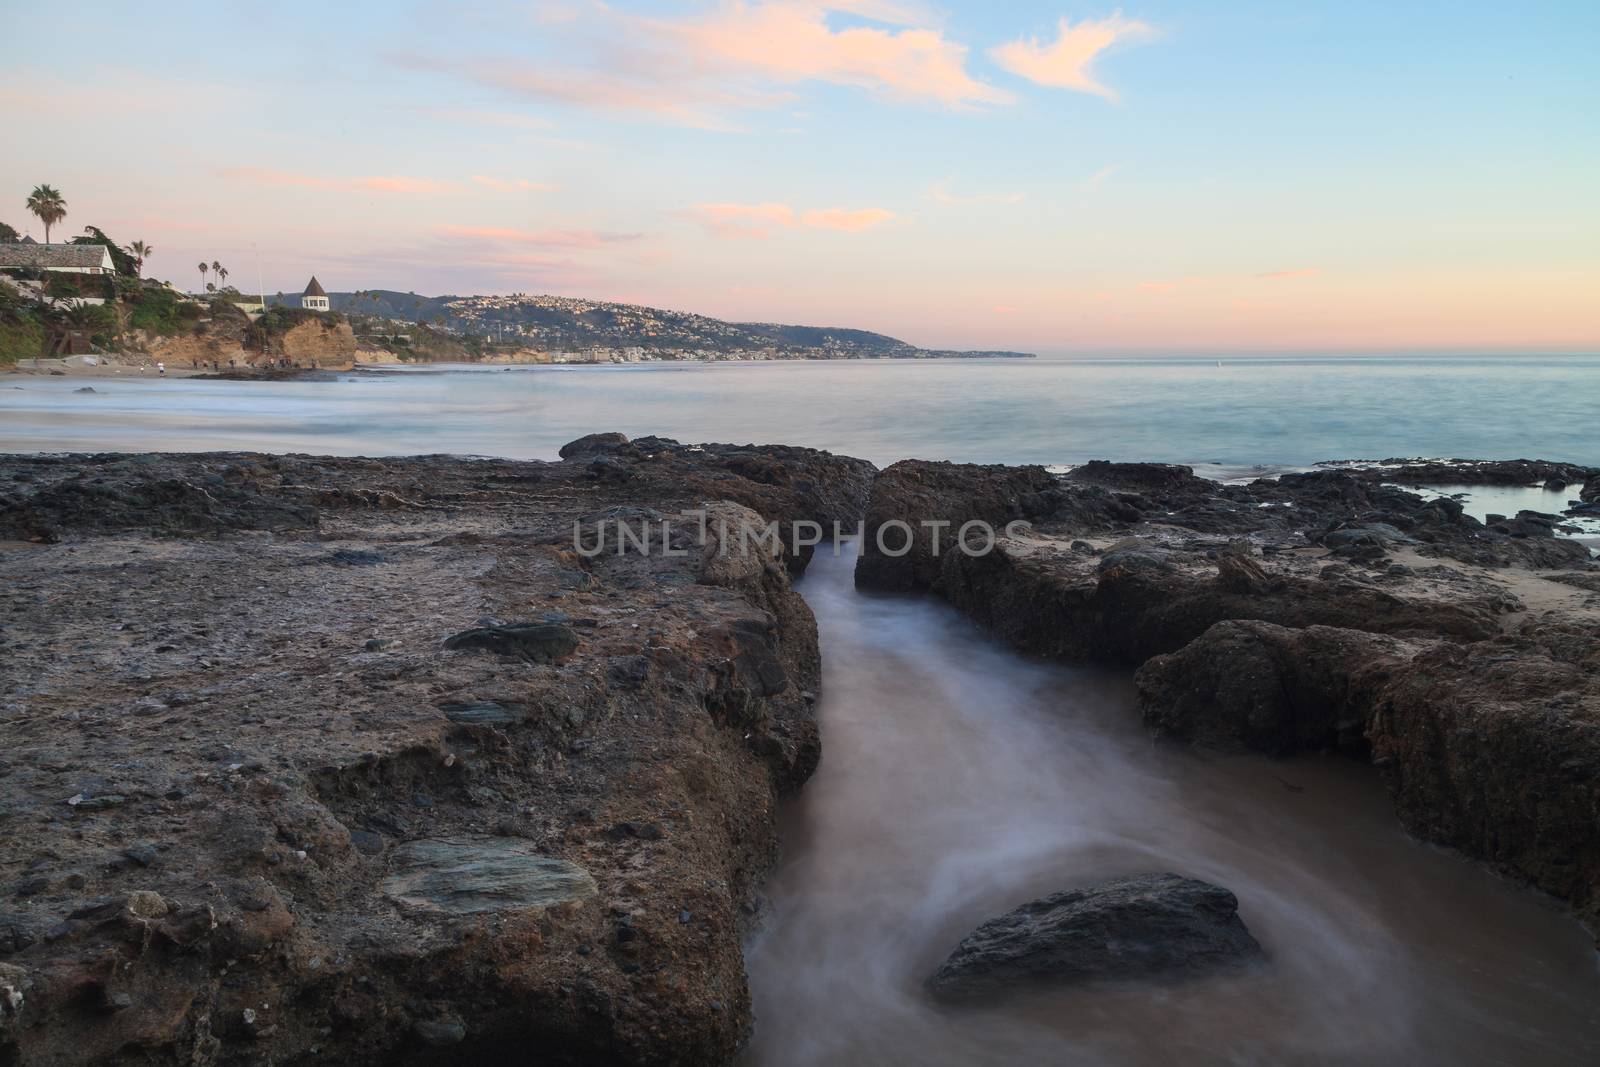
(959, 780)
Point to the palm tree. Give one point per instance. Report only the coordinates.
(204, 266)
(140, 251)
(216, 268)
(222, 273)
(46, 203)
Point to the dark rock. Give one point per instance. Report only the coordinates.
(142, 854)
(367, 842)
(1269, 688)
(1377, 534)
(483, 712)
(1241, 574)
(593, 444)
(440, 1033)
(1144, 927)
(917, 491)
(354, 557)
(531, 641)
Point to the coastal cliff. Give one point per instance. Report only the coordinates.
(352, 761)
(1325, 611)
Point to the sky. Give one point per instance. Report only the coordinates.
(1047, 176)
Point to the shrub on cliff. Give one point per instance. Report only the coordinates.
(21, 331)
(158, 310)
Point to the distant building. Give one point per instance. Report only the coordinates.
(315, 298)
(64, 259)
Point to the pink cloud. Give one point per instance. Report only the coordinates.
(1157, 287)
(697, 70)
(1066, 63)
(941, 194)
(511, 184)
(1303, 272)
(834, 218)
(790, 42)
(759, 221)
(755, 221)
(379, 184)
(541, 238)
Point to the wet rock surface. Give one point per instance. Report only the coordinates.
(258, 811)
(460, 877)
(1316, 611)
(1140, 928)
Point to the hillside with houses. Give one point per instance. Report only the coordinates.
(574, 329)
(87, 298)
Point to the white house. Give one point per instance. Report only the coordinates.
(315, 298)
(63, 259)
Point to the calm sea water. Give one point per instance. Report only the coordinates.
(1244, 412)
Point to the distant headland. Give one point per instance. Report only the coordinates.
(578, 330)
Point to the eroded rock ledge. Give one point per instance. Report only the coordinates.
(260, 807)
(1329, 610)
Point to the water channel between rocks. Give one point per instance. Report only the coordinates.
(959, 780)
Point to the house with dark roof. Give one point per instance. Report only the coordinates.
(63, 259)
(315, 298)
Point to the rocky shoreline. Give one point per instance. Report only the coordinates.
(1322, 611)
(263, 808)
(363, 761)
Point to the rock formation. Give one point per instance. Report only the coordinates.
(348, 760)
(1328, 610)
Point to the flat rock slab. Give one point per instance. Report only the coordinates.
(536, 642)
(1152, 926)
(463, 876)
(483, 713)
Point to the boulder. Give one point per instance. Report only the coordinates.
(1145, 927)
(593, 445)
(1270, 688)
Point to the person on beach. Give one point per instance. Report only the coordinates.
(161, 369)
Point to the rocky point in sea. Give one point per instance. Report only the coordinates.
(1330, 610)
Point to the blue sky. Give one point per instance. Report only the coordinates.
(1043, 175)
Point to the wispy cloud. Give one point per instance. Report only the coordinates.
(1066, 63)
(702, 70)
(511, 184)
(507, 119)
(537, 238)
(834, 218)
(940, 193)
(756, 221)
(759, 221)
(1303, 272)
(375, 184)
(1099, 177)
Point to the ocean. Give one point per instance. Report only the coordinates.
(1225, 416)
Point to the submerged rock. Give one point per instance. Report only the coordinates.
(460, 877)
(1149, 926)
